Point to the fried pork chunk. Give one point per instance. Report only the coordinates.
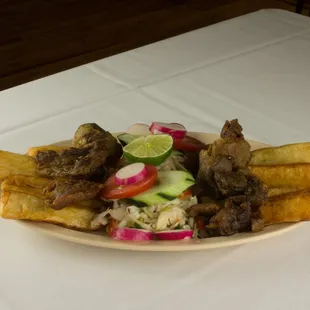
(224, 177)
(92, 148)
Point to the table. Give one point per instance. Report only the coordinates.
(256, 68)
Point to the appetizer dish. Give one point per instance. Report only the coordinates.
(164, 185)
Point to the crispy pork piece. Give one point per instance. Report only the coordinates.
(231, 183)
(284, 154)
(284, 176)
(224, 175)
(232, 145)
(256, 191)
(93, 147)
(287, 208)
(12, 163)
(89, 133)
(62, 193)
(206, 209)
(20, 206)
(257, 221)
(223, 166)
(233, 218)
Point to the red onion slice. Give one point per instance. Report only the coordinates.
(131, 174)
(175, 234)
(131, 234)
(175, 130)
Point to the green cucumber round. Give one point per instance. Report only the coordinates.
(170, 185)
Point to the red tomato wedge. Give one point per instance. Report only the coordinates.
(200, 223)
(111, 190)
(185, 195)
(111, 226)
(188, 144)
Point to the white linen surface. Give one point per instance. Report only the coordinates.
(255, 68)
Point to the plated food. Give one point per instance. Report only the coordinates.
(164, 185)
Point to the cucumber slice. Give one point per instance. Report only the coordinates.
(126, 138)
(170, 185)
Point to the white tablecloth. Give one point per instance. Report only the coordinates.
(256, 68)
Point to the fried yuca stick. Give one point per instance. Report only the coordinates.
(278, 176)
(284, 154)
(20, 206)
(12, 163)
(26, 185)
(36, 192)
(34, 150)
(287, 208)
(24, 180)
(34, 186)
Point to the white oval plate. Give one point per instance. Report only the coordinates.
(101, 240)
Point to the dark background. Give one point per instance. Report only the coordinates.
(41, 37)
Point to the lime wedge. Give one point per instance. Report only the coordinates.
(151, 149)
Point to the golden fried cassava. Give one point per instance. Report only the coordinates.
(284, 154)
(278, 176)
(287, 208)
(12, 163)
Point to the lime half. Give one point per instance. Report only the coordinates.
(151, 149)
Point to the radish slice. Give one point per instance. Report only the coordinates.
(175, 130)
(175, 234)
(131, 174)
(139, 129)
(131, 234)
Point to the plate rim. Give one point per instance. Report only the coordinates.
(158, 246)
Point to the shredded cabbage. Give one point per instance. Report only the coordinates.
(174, 162)
(168, 216)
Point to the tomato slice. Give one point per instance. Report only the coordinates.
(111, 226)
(200, 223)
(185, 195)
(111, 190)
(188, 144)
